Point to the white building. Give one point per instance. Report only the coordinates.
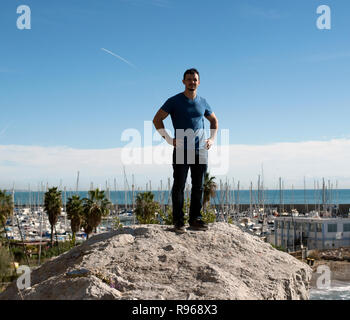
(315, 233)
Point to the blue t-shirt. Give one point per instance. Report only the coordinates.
(188, 114)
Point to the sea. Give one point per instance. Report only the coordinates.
(294, 196)
(338, 290)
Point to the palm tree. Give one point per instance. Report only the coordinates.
(75, 212)
(6, 207)
(53, 205)
(95, 207)
(209, 189)
(146, 208)
(87, 228)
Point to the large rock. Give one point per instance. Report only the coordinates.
(151, 262)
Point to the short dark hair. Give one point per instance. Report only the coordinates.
(191, 71)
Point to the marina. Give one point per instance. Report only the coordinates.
(32, 224)
(258, 211)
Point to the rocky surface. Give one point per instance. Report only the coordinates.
(151, 262)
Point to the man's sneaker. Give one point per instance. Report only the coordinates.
(179, 228)
(198, 225)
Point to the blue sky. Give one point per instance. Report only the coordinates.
(268, 73)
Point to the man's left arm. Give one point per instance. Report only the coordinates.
(214, 125)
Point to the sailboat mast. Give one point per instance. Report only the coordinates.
(169, 193)
(161, 196)
(305, 202)
(238, 204)
(77, 185)
(133, 190)
(280, 187)
(125, 190)
(259, 196)
(262, 188)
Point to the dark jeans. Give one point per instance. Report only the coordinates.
(180, 171)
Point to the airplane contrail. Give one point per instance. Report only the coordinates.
(119, 57)
(2, 132)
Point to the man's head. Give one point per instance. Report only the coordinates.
(191, 79)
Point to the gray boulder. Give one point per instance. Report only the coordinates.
(151, 262)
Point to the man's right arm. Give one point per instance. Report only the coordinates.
(159, 125)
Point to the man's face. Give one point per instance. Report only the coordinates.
(191, 82)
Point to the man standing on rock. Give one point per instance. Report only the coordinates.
(187, 111)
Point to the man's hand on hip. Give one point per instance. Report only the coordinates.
(209, 143)
(177, 143)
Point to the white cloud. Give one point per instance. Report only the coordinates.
(291, 161)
